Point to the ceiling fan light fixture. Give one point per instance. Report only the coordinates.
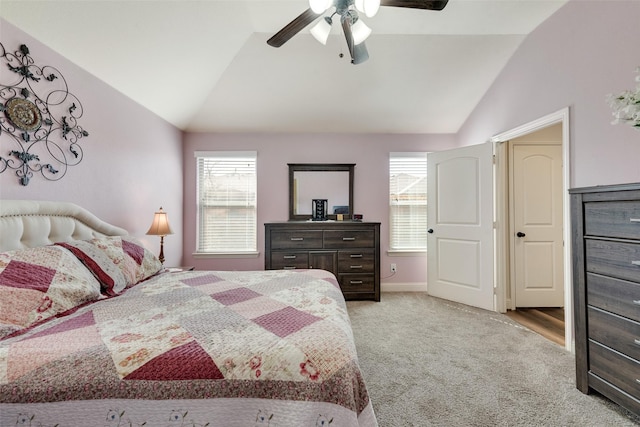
(319, 6)
(321, 30)
(368, 7)
(360, 32)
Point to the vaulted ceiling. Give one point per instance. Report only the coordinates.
(205, 65)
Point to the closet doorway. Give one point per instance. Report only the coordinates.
(532, 180)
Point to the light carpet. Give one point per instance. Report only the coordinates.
(431, 362)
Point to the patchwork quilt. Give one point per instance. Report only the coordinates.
(200, 348)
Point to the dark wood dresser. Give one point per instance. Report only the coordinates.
(606, 287)
(348, 249)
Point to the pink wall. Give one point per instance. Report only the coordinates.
(583, 52)
(370, 153)
(132, 159)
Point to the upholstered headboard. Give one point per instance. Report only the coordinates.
(31, 223)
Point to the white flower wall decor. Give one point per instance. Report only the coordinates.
(626, 105)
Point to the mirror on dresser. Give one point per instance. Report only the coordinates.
(325, 181)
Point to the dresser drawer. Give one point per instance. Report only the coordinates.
(296, 239)
(349, 239)
(612, 219)
(356, 261)
(357, 282)
(615, 259)
(616, 368)
(614, 295)
(617, 332)
(289, 260)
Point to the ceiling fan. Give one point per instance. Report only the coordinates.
(355, 31)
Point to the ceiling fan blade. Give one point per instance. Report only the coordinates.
(293, 28)
(348, 34)
(416, 4)
(360, 54)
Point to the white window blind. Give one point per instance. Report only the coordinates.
(408, 200)
(227, 214)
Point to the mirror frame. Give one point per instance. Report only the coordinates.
(319, 167)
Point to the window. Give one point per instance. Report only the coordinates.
(408, 201)
(227, 214)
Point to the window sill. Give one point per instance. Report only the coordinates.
(407, 252)
(226, 254)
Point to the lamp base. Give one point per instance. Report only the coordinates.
(161, 256)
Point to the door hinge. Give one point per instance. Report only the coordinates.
(493, 159)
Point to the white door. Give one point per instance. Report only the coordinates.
(460, 225)
(537, 225)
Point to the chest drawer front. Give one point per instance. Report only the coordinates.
(289, 260)
(614, 367)
(612, 219)
(616, 332)
(614, 295)
(356, 282)
(356, 261)
(296, 239)
(615, 259)
(349, 239)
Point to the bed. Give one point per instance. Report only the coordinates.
(94, 332)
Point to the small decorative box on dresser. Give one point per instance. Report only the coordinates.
(348, 249)
(606, 287)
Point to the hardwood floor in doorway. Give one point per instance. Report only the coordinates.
(548, 322)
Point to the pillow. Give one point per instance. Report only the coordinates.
(39, 283)
(117, 262)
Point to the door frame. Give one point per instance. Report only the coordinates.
(501, 213)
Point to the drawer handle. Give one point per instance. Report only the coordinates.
(355, 282)
(635, 263)
(297, 239)
(356, 255)
(288, 268)
(634, 219)
(636, 341)
(636, 301)
(289, 257)
(350, 239)
(355, 266)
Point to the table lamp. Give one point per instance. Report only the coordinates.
(160, 227)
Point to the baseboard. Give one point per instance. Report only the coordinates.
(403, 287)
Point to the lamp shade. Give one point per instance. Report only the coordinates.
(319, 6)
(368, 7)
(321, 30)
(360, 32)
(160, 225)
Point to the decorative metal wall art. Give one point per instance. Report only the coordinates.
(39, 130)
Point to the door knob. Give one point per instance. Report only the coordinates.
(430, 231)
(520, 234)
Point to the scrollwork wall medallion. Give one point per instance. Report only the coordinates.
(39, 130)
(23, 114)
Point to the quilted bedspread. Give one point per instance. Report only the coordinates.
(193, 349)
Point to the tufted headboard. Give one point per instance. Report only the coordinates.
(31, 223)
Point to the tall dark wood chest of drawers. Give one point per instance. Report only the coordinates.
(348, 249)
(606, 287)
